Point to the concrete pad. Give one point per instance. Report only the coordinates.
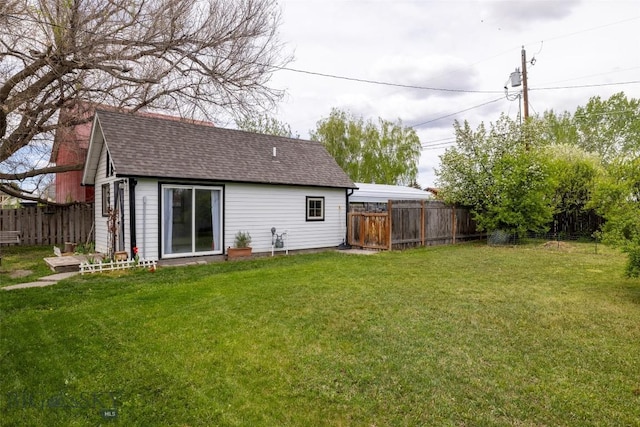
(39, 284)
(59, 276)
(359, 251)
(179, 262)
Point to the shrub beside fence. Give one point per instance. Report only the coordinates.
(50, 225)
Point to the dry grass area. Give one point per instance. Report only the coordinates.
(561, 246)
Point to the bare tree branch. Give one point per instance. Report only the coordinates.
(17, 192)
(194, 58)
(40, 171)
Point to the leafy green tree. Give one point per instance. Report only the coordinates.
(576, 163)
(557, 129)
(521, 186)
(610, 128)
(265, 124)
(465, 176)
(505, 182)
(386, 153)
(574, 172)
(617, 198)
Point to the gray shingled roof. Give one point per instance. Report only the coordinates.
(155, 147)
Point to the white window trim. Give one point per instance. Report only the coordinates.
(309, 199)
(105, 196)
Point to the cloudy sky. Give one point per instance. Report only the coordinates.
(582, 48)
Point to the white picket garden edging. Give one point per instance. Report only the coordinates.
(98, 267)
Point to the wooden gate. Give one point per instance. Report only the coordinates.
(369, 230)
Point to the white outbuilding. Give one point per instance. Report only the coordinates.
(167, 188)
(374, 197)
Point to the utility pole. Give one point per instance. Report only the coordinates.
(525, 93)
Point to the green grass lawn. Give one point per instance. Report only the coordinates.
(466, 335)
(21, 264)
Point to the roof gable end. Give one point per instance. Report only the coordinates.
(96, 142)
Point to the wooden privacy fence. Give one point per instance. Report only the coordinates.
(410, 223)
(50, 225)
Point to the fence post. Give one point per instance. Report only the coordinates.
(390, 219)
(422, 227)
(453, 223)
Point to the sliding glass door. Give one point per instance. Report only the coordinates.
(191, 220)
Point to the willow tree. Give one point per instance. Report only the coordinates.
(193, 58)
(265, 124)
(382, 153)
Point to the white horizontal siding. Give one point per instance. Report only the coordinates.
(256, 208)
(101, 221)
(147, 220)
(101, 229)
(247, 207)
(127, 219)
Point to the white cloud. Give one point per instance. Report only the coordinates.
(466, 44)
(433, 71)
(522, 13)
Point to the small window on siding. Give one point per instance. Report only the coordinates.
(315, 208)
(109, 165)
(106, 199)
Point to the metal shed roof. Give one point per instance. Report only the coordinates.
(381, 193)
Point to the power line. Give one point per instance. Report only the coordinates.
(438, 146)
(379, 82)
(470, 91)
(443, 142)
(593, 28)
(433, 144)
(295, 70)
(406, 86)
(594, 75)
(382, 83)
(439, 140)
(605, 113)
(586, 86)
(457, 112)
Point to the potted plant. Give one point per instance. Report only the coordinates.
(241, 246)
